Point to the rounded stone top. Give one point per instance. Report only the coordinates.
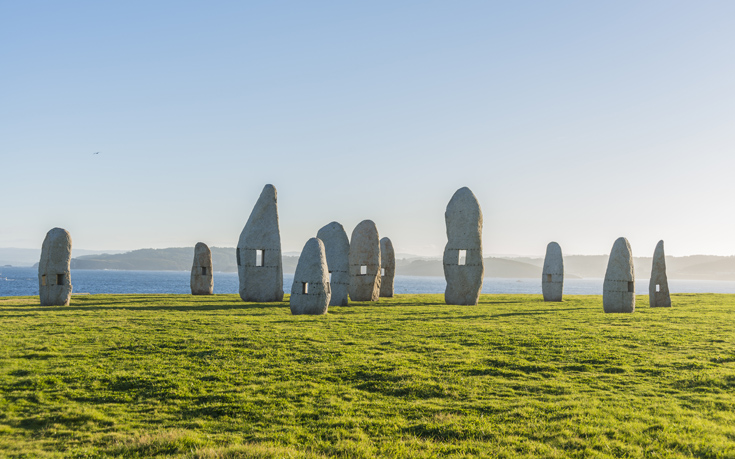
(56, 235)
(270, 190)
(620, 264)
(366, 229)
(201, 247)
(464, 217)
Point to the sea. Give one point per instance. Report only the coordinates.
(23, 281)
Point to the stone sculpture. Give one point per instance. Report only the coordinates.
(618, 290)
(310, 292)
(387, 267)
(552, 276)
(259, 263)
(658, 287)
(337, 249)
(463, 264)
(365, 262)
(54, 274)
(202, 280)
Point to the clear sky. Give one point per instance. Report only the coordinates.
(572, 121)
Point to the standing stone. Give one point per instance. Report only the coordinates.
(387, 267)
(259, 263)
(202, 281)
(552, 276)
(365, 262)
(658, 287)
(54, 274)
(310, 292)
(618, 290)
(463, 264)
(337, 249)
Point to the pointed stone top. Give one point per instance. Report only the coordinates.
(261, 230)
(620, 264)
(660, 246)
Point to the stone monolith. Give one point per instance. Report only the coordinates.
(658, 287)
(387, 267)
(618, 290)
(259, 263)
(202, 279)
(310, 292)
(337, 249)
(365, 262)
(463, 264)
(552, 276)
(54, 274)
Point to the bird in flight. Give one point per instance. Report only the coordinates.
(96, 153)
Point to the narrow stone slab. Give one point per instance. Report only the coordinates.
(259, 263)
(387, 267)
(337, 249)
(618, 290)
(365, 262)
(202, 279)
(658, 287)
(54, 274)
(552, 276)
(310, 292)
(463, 265)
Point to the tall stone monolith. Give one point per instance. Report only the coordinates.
(618, 290)
(658, 287)
(202, 279)
(463, 265)
(259, 263)
(337, 249)
(365, 262)
(552, 276)
(54, 274)
(387, 267)
(310, 292)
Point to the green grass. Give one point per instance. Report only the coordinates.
(213, 377)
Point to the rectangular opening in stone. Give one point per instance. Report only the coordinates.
(382, 271)
(304, 288)
(658, 287)
(462, 259)
(548, 278)
(259, 258)
(363, 270)
(330, 277)
(59, 279)
(43, 280)
(204, 270)
(631, 287)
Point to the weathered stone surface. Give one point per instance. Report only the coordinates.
(310, 292)
(618, 290)
(387, 267)
(658, 287)
(464, 237)
(365, 262)
(337, 249)
(259, 263)
(552, 276)
(54, 275)
(202, 279)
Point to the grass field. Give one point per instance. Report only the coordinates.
(213, 377)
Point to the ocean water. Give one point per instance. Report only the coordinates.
(24, 281)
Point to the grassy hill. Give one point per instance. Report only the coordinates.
(178, 376)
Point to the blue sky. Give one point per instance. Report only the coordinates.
(577, 122)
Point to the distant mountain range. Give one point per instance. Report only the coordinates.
(703, 267)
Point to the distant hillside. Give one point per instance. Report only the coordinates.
(705, 267)
(171, 259)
